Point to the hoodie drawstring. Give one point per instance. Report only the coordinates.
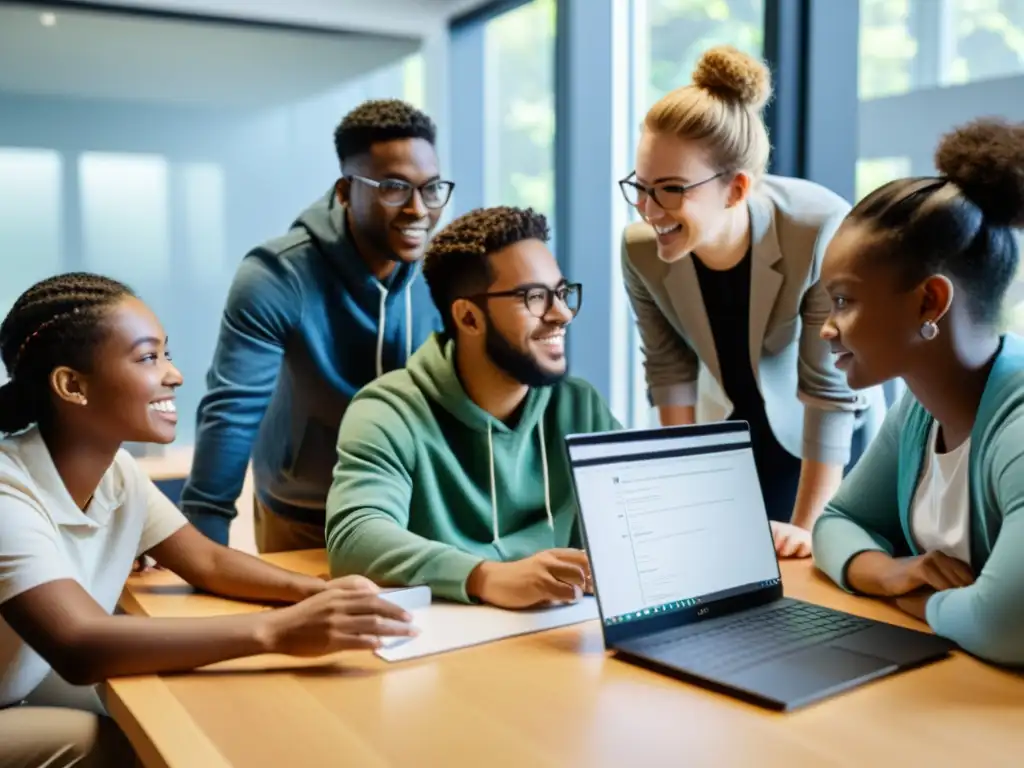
(408, 322)
(544, 466)
(494, 487)
(382, 319)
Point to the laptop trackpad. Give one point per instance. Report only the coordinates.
(809, 674)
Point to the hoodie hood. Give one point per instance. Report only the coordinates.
(432, 369)
(339, 328)
(327, 225)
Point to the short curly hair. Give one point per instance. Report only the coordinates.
(961, 222)
(457, 264)
(380, 120)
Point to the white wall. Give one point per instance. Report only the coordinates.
(168, 198)
(910, 125)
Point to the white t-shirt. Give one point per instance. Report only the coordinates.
(45, 537)
(940, 515)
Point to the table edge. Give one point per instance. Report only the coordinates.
(159, 743)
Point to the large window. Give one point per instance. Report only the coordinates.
(412, 81)
(519, 103)
(887, 48)
(987, 40)
(925, 67)
(670, 36)
(677, 32)
(908, 45)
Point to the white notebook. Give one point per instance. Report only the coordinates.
(446, 626)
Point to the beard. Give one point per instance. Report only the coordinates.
(520, 365)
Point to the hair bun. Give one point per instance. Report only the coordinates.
(730, 74)
(985, 159)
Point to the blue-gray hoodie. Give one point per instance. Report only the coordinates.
(306, 326)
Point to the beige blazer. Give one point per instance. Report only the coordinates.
(810, 407)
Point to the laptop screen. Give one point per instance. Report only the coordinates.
(673, 518)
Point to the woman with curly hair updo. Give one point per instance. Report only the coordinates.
(932, 517)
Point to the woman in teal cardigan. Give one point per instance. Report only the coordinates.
(932, 517)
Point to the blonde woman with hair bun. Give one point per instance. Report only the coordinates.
(722, 273)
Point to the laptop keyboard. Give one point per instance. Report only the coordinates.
(750, 639)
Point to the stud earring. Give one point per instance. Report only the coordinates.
(929, 330)
(82, 400)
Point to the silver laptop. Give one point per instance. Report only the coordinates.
(686, 578)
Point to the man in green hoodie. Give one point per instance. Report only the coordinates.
(452, 472)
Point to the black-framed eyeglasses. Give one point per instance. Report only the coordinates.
(667, 194)
(538, 299)
(395, 193)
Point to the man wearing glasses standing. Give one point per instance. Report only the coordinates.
(451, 472)
(311, 318)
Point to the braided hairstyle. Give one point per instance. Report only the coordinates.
(56, 322)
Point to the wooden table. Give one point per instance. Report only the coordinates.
(549, 699)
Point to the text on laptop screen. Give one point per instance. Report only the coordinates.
(672, 521)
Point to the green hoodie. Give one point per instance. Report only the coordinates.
(428, 484)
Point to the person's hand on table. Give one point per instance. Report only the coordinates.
(935, 571)
(336, 619)
(791, 540)
(551, 576)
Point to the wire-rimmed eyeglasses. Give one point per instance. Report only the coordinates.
(538, 299)
(395, 193)
(667, 194)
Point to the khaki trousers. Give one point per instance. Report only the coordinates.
(61, 724)
(53, 737)
(275, 533)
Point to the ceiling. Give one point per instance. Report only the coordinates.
(95, 54)
(412, 18)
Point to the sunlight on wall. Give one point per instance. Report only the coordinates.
(125, 230)
(202, 199)
(30, 218)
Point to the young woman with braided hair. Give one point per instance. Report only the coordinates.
(89, 369)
